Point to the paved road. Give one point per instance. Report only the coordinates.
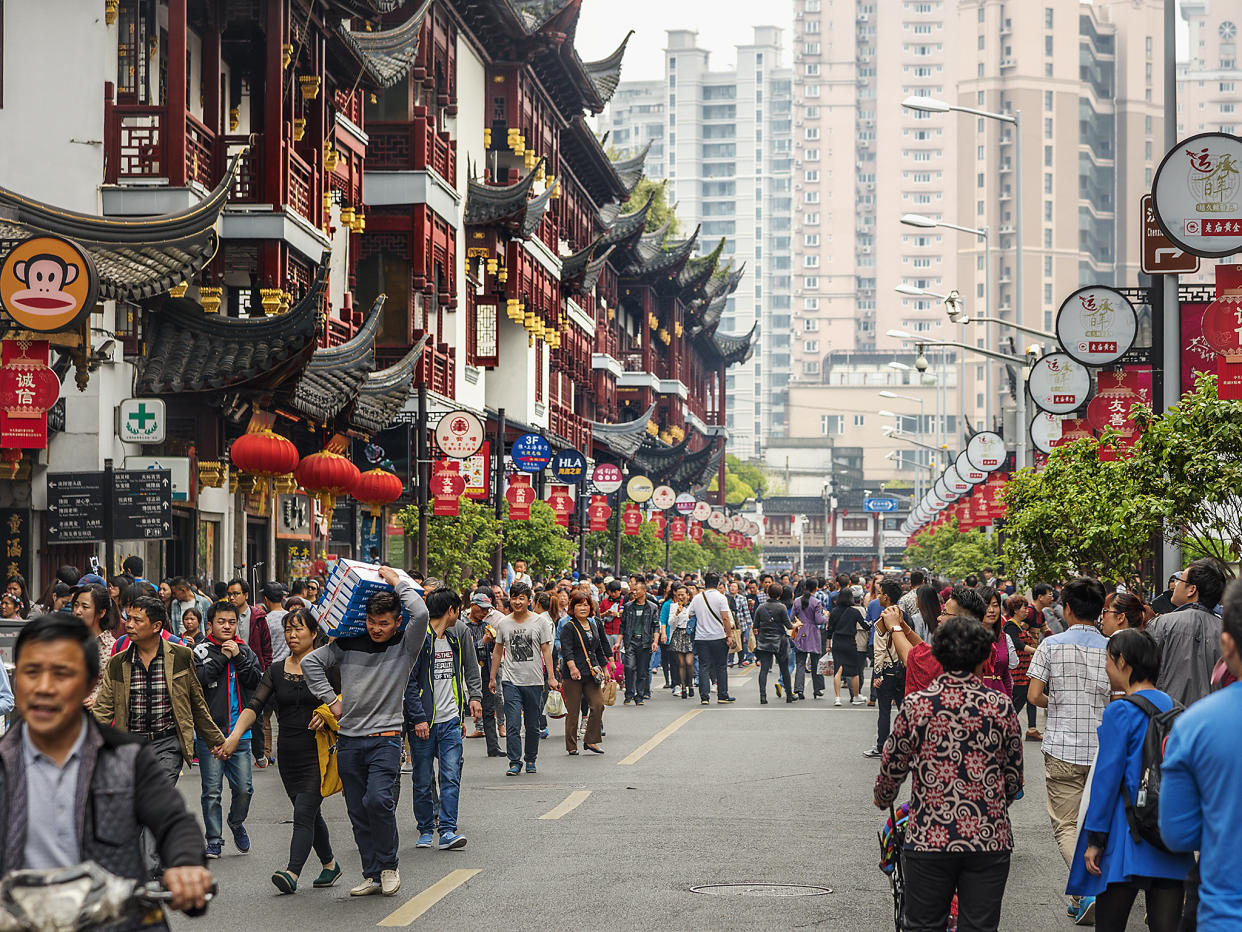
(730, 794)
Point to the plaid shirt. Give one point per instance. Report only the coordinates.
(742, 610)
(1071, 665)
(150, 706)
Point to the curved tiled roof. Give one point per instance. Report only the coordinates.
(630, 170)
(188, 350)
(624, 438)
(333, 376)
(383, 57)
(509, 205)
(384, 393)
(605, 74)
(135, 257)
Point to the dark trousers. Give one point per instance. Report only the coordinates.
(258, 739)
(1163, 900)
(522, 703)
(582, 694)
(713, 665)
(932, 878)
(800, 671)
(892, 690)
(493, 705)
(637, 671)
(766, 660)
(369, 767)
(309, 831)
(168, 752)
(1020, 700)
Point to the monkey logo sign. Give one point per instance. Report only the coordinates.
(48, 284)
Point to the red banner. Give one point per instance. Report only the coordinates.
(659, 521)
(562, 504)
(696, 532)
(520, 497)
(27, 389)
(678, 531)
(632, 518)
(447, 487)
(599, 512)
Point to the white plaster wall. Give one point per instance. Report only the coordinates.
(471, 90)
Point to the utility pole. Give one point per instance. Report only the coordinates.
(424, 477)
(499, 486)
(1170, 363)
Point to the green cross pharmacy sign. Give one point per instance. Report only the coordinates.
(142, 420)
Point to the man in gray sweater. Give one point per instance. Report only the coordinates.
(374, 668)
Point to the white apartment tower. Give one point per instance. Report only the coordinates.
(723, 140)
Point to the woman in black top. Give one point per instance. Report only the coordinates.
(582, 655)
(772, 633)
(843, 623)
(283, 688)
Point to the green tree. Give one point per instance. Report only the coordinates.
(1190, 461)
(661, 211)
(950, 552)
(459, 550)
(685, 556)
(540, 541)
(1079, 514)
(742, 481)
(639, 552)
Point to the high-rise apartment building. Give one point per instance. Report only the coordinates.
(1086, 80)
(723, 139)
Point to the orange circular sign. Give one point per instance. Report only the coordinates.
(48, 284)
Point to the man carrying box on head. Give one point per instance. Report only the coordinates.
(375, 669)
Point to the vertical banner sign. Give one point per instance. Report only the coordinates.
(562, 504)
(1110, 408)
(15, 526)
(28, 387)
(1222, 329)
(520, 497)
(696, 533)
(599, 512)
(447, 487)
(1197, 357)
(678, 531)
(632, 518)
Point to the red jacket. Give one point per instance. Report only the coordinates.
(260, 640)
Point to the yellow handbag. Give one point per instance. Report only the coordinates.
(325, 740)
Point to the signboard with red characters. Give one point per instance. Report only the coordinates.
(696, 533)
(520, 497)
(562, 504)
(27, 389)
(632, 519)
(660, 522)
(678, 531)
(447, 487)
(1222, 330)
(599, 512)
(1073, 428)
(1110, 408)
(1197, 357)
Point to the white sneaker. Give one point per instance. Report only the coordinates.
(366, 888)
(837, 701)
(858, 700)
(390, 882)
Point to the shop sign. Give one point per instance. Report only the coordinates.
(1197, 195)
(459, 434)
(1059, 384)
(48, 284)
(1096, 325)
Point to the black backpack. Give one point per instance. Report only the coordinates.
(1143, 812)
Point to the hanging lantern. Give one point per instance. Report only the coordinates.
(325, 475)
(376, 488)
(263, 454)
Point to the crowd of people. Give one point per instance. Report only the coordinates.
(198, 673)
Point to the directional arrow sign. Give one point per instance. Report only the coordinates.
(77, 501)
(1160, 256)
(141, 504)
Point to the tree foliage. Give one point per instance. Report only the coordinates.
(742, 481)
(1080, 515)
(946, 551)
(638, 552)
(1189, 459)
(540, 541)
(461, 549)
(661, 210)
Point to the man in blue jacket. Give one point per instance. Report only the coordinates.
(1200, 806)
(445, 677)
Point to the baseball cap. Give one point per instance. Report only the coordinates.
(480, 599)
(92, 579)
(274, 591)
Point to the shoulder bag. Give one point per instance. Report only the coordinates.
(606, 684)
(862, 635)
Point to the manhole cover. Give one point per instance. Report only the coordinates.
(760, 889)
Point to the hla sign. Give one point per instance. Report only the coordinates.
(142, 420)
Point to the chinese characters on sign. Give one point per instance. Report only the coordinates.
(1096, 325)
(1059, 384)
(459, 434)
(15, 524)
(1197, 194)
(447, 487)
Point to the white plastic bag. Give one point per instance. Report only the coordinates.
(825, 665)
(555, 706)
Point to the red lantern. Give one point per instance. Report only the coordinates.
(265, 454)
(376, 488)
(325, 475)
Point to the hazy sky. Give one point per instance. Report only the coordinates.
(721, 25)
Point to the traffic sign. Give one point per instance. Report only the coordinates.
(142, 420)
(142, 504)
(1160, 256)
(880, 504)
(75, 507)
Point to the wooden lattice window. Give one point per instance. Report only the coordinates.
(482, 321)
(538, 371)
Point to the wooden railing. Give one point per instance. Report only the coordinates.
(134, 144)
(200, 145)
(564, 423)
(412, 146)
(247, 186)
(302, 188)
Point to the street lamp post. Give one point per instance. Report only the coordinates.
(933, 105)
(918, 220)
(922, 418)
(895, 433)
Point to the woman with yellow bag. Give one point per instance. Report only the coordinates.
(298, 752)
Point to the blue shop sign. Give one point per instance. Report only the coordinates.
(531, 453)
(569, 467)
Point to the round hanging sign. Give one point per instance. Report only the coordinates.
(1059, 384)
(569, 466)
(1197, 195)
(663, 497)
(986, 451)
(737, 523)
(685, 504)
(639, 489)
(1096, 325)
(702, 511)
(48, 284)
(967, 471)
(942, 490)
(531, 453)
(1045, 431)
(717, 520)
(956, 483)
(607, 478)
(459, 435)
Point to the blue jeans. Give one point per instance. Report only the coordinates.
(443, 744)
(527, 702)
(369, 767)
(237, 770)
